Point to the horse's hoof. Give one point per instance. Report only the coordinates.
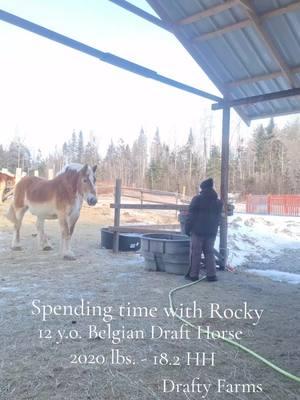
(16, 248)
(47, 248)
(69, 257)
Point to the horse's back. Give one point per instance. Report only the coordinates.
(32, 188)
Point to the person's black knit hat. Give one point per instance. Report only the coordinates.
(207, 184)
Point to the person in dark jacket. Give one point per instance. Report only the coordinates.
(202, 225)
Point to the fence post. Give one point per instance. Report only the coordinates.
(18, 174)
(285, 202)
(269, 204)
(117, 214)
(183, 193)
(142, 197)
(50, 173)
(247, 203)
(177, 196)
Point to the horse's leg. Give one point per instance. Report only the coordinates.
(66, 238)
(72, 223)
(17, 219)
(43, 239)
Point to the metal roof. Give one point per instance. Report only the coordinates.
(247, 48)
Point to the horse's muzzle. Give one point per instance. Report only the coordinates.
(92, 200)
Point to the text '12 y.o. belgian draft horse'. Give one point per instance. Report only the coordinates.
(60, 198)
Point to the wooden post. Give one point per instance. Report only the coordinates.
(142, 197)
(183, 192)
(224, 186)
(269, 204)
(50, 173)
(18, 174)
(117, 214)
(248, 199)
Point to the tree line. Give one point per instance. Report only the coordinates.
(17, 155)
(268, 162)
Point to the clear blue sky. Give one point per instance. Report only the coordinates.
(47, 90)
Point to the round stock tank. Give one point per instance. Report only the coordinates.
(166, 252)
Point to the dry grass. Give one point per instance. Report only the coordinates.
(40, 369)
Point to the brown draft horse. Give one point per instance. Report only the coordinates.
(59, 198)
(7, 182)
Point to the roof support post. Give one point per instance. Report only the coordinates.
(224, 186)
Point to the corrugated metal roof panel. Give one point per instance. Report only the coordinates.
(242, 53)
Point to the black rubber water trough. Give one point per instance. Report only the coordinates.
(166, 252)
(127, 241)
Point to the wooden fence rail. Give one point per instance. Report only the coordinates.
(117, 205)
(117, 228)
(145, 195)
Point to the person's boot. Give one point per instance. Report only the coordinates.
(212, 278)
(191, 278)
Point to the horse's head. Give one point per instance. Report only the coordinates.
(87, 184)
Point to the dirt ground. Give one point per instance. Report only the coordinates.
(35, 368)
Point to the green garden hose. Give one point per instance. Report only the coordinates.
(232, 342)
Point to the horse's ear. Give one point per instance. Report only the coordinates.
(84, 169)
(94, 168)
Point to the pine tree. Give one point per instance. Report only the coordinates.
(91, 154)
(73, 148)
(109, 162)
(155, 169)
(3, 157)
(156, 147)
(18, 156)
(80, 147)
(270, 128)
(190, 147)
(65, 152)
(139, 153)
(213, 168)
(259, 140)
(40, 164)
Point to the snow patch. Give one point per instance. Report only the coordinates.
(277, 276)
(260, 238)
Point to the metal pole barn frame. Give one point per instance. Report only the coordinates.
(143, 14)
(224, 186)
(103, 56)
(282, 94)
(224, 104)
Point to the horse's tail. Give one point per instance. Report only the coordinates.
(11, 214)
(19, 194)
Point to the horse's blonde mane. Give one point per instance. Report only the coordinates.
(72, 166)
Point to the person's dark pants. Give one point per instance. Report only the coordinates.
(198, 245)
